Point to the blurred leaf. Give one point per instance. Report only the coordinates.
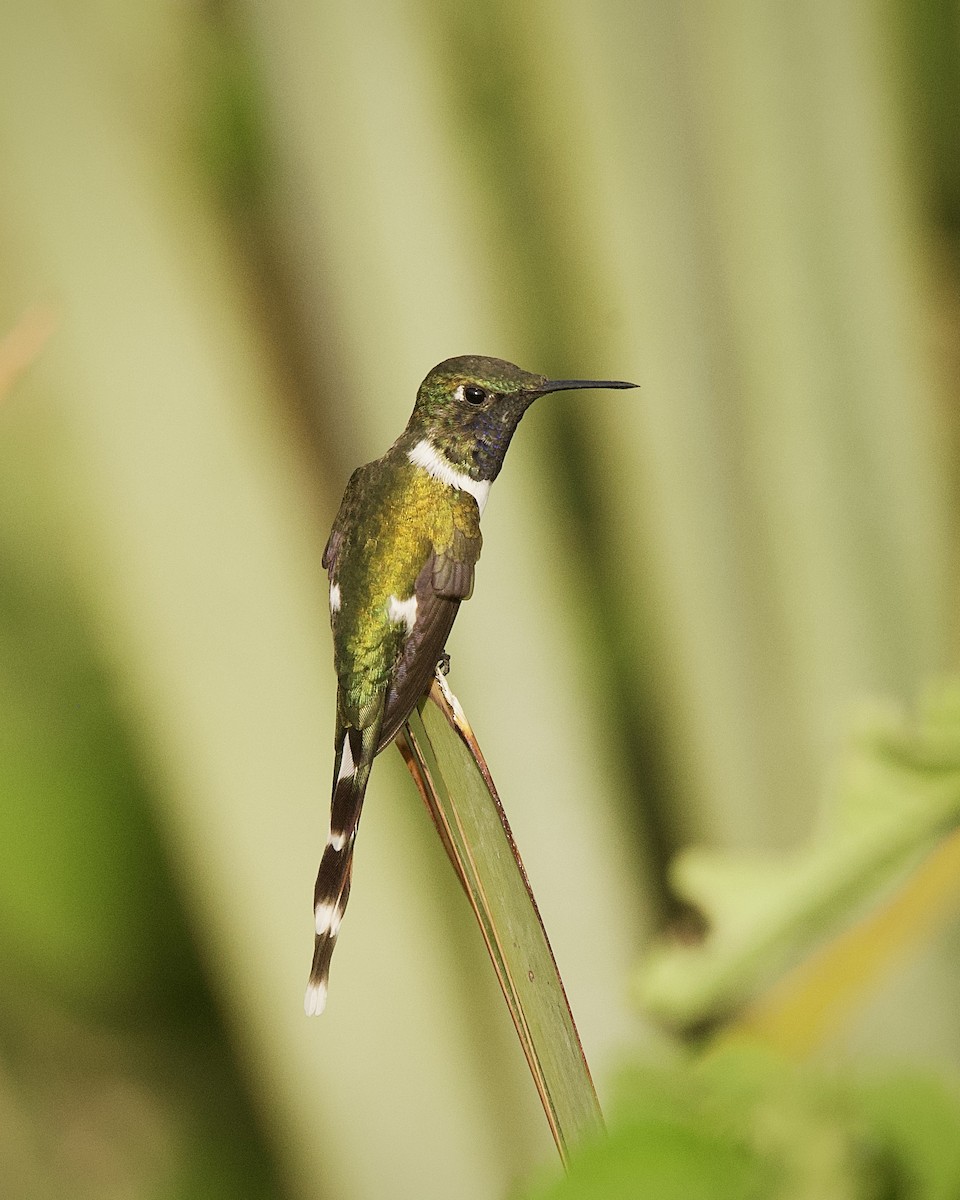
(228, 112)
(22, 344)
(116, 1076)
(897, 792)
(102, 1112)
(737, 1126)
(662, 1160)
(85, 900)
(918, 1117)
(744, 1123)
(803, 1008)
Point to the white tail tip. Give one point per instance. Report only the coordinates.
(315, 1001)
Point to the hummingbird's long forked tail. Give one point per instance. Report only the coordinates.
(355, 752)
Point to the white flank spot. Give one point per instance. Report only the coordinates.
(338, 841)
(324, 914)
(403, 611)
(334, 597)
(425, 454)
(346, 762)
(335, 922)
(315, 1001)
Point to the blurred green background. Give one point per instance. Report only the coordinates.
(234, 238)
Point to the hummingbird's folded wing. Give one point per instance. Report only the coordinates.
(452, 569)
(445, 579)
(346, 515)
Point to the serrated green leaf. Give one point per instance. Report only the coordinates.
(897, 792)
(919, 1119)
(662, 1160)
(745, 1123)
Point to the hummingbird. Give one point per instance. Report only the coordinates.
(400, 560)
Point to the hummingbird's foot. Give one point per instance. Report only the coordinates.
(443, 664)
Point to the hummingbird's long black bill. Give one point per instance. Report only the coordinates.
(568, 385)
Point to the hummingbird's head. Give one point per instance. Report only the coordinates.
(469, 407)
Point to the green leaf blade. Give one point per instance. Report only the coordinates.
(467, 810)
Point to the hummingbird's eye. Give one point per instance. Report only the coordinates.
(474, 395)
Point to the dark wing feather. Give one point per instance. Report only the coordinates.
(419, 657)
(344, 519)
(452, 574)
(445, 579)
(329, 559)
